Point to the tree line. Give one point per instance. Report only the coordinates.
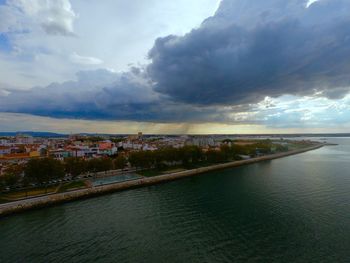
(192, 155)
(44, 170)
(40, 171)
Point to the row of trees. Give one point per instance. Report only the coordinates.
(12, 175)
(48, 169)
(187, 156)
(192, 155)
(40, 171)
(166, 156)
(76, 166)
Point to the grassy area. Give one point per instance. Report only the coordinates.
(72, 186)
(160, 171)
(174, 169)
(150, 173)
(29, 193)
(202, 164)
(297, 146)
(13, 196)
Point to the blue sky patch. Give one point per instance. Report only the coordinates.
(5, 44)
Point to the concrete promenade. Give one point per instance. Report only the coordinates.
(48, 200)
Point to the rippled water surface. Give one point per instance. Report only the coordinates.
(295, 209)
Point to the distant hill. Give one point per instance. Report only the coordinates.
(34, 134)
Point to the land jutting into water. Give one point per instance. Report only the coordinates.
(92, 190)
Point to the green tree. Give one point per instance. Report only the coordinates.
(120, 162)
(190, 155)
(15, 169)
(99, 165)
(13, 174)
(142, 159)
(240, 149)
(157, 159)
(2, 183)
(106, 164)
(226, 152)
(44, 170)
(75, 166)
(171, 154)
(281, 148)
(134, 159)
(215, 156)
(10, 179)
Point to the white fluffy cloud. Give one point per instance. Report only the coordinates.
(85, 60)
(35, 32)
(8, 19)
(43, 35)
(54, 17)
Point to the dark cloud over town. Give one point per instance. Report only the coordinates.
(252, 49)
(105, 95)
(247, 51)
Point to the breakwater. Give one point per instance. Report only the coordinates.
(44, 201)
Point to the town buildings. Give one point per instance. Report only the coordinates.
(21, 148)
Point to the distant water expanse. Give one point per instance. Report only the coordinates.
(295, 209)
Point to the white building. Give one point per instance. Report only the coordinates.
(24, 139)
(4, 142)
(5, 150)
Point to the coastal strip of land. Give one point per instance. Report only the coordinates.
(53, 199)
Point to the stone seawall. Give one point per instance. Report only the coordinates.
(44, 201)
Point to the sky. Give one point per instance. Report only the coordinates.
(183, 66)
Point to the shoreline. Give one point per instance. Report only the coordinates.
(54, 199)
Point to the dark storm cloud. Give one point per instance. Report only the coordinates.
(248, 50)
(104, 95)
(252, 49)
(99, 94)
